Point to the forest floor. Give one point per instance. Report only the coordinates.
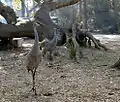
(89, 79)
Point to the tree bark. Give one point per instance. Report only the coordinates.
(8, 13)
(85, 15)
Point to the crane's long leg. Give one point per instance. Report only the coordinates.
(50, 56)
(43, 52)
(33, 76)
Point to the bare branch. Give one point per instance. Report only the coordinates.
(72, 2)
(50, 1)
(58, 6)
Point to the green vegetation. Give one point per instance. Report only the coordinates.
(71, 48)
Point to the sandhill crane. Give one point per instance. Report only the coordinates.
(34, 56)
(49, 46)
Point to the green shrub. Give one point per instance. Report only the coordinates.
(71, 48)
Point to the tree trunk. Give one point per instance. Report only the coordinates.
(85, 15)
(23, 8)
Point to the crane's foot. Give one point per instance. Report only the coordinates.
(51, 58)
(34, 90)
(81, 55)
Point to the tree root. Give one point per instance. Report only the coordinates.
(117, 64)
(97, 43)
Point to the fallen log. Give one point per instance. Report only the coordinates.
(9, 31)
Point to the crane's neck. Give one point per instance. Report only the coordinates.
(55, 38)
(36, 34)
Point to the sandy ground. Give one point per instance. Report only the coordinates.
(63, 80)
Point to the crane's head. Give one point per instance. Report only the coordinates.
(43, 43)
(56, 33)
(36, 24)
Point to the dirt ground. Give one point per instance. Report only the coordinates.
(89, 79)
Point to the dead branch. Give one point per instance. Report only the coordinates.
(72, 2)
(58, 6)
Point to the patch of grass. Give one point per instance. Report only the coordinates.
(71, 48)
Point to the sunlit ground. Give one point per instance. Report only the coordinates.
(108, 37)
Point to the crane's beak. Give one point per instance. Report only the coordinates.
(37, 24)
